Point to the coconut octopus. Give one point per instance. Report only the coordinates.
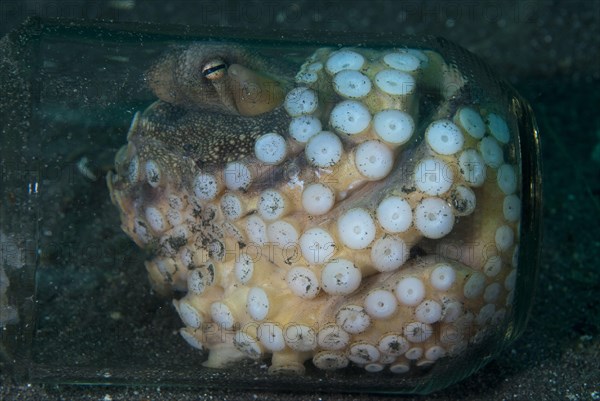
(354, 210)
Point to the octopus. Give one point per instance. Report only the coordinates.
(356, 208)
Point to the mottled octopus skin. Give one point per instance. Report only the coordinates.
(238, 257)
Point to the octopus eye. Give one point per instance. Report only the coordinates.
(214, 69)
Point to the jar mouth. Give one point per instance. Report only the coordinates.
(531, 170)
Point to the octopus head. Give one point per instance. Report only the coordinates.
(227, 79)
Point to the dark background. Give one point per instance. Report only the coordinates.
(550, 50)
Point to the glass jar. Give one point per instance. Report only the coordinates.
(339, 214)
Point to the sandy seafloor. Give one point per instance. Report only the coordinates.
(549, 50)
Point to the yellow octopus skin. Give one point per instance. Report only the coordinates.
(343, 212)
